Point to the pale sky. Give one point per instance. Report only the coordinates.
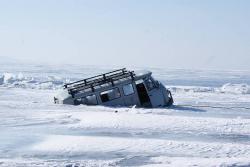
(212, 34)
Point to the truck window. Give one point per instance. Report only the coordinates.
(89, 100)
(110, 94)
(149, 84)
(128, 89)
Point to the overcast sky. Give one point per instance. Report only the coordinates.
(213, 34)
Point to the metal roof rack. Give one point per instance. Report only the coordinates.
(98, 80)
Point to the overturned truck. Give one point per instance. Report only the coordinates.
(117, 88)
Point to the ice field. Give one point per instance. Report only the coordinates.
(209, 125)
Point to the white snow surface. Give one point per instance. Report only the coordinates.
(209, 125)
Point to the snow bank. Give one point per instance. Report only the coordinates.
(9, 78)
(21, 81)
(235, 88)
(226, 88)
(183, 89)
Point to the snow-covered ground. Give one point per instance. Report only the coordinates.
(208, 126)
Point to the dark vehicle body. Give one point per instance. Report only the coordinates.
(117, 88)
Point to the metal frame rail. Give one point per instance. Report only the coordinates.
(98, 80)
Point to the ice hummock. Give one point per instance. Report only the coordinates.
(236, 88)
(19, 80)
(227, 88)
(56, 82)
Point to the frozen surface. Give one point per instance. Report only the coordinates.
(208, 126)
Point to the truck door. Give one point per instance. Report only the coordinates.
(154, 93)
(143, 95)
